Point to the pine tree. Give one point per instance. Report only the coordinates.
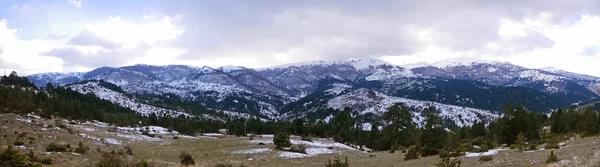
(556, 122)
(373, 135)
(433, 136)
(520, 143)
(282, 139)
(401, 129)
(343, 124)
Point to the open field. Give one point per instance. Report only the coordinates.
(207, 151)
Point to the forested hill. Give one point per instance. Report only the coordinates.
(18, 95)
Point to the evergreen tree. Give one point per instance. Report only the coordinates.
(373, 135)
(556, 122)
(343, 124)
(434, 135)
(401, 129)
(281, 139)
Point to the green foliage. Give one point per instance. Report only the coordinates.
(551, 158)
(19, 143)
(486, 158)
(449, 162)
(13, 158)
(45, 160)
(142, 163)
(552, 144)
(412, 153)
(401, 131)
(111, 160)
(433, 136)
(81, 149)
(520, 143)
(337, 162)
(186, 159)
(281, 139)
(54, 147)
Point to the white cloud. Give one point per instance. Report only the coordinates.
(76, 2)
(130, 35)
(23, 55)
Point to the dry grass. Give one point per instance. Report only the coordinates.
(209, 152)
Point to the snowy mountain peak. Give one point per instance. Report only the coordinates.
(416, 65)
(358, 64)
(462, 61)
(364, 63)
(536, 75)
(552, 69)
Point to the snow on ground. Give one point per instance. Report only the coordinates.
(122, 100)
(213, 134)
(252, 151)
(137, 137)
(112, 141)
(285, 154)
(489, 152)
(316, 143)
(367, 101)
(24, 120)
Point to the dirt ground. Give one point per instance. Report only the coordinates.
(209, 151)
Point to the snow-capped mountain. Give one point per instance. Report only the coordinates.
(366, 102)
(549, 80)
(287, 90)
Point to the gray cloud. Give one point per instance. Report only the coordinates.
(334, 30)
(88, 38)
(114, 58)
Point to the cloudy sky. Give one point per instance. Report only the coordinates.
(80, 35)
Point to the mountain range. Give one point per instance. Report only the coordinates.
(463, 90)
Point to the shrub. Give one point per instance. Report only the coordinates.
(307, 138)
(282, 139)
(551, 158)
(45, 160)
(412, 153)
(53, 147)
(142, 163)
(110, 160)
(392, 151)
(552, 144)
(448, 162)
(19, 143)
(186, 159)
(81, 149)
(301, 148)
(175, 137)
(12, 157)
(395, 147)
(486, 158)
(129, 150)
(337, 163)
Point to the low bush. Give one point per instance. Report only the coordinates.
(551, 158)
(53, 147)
(12, 157)
(449, 162)
(142, 163)
(552, 144)
(129, 150)
(486, 158)
(111, 160)
(186, 159)
(337, 162)
(412, 153)
(81, 149)
(307, 138)
(19, 143)
(298, 148)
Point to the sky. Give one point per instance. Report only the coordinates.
(80, 35)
